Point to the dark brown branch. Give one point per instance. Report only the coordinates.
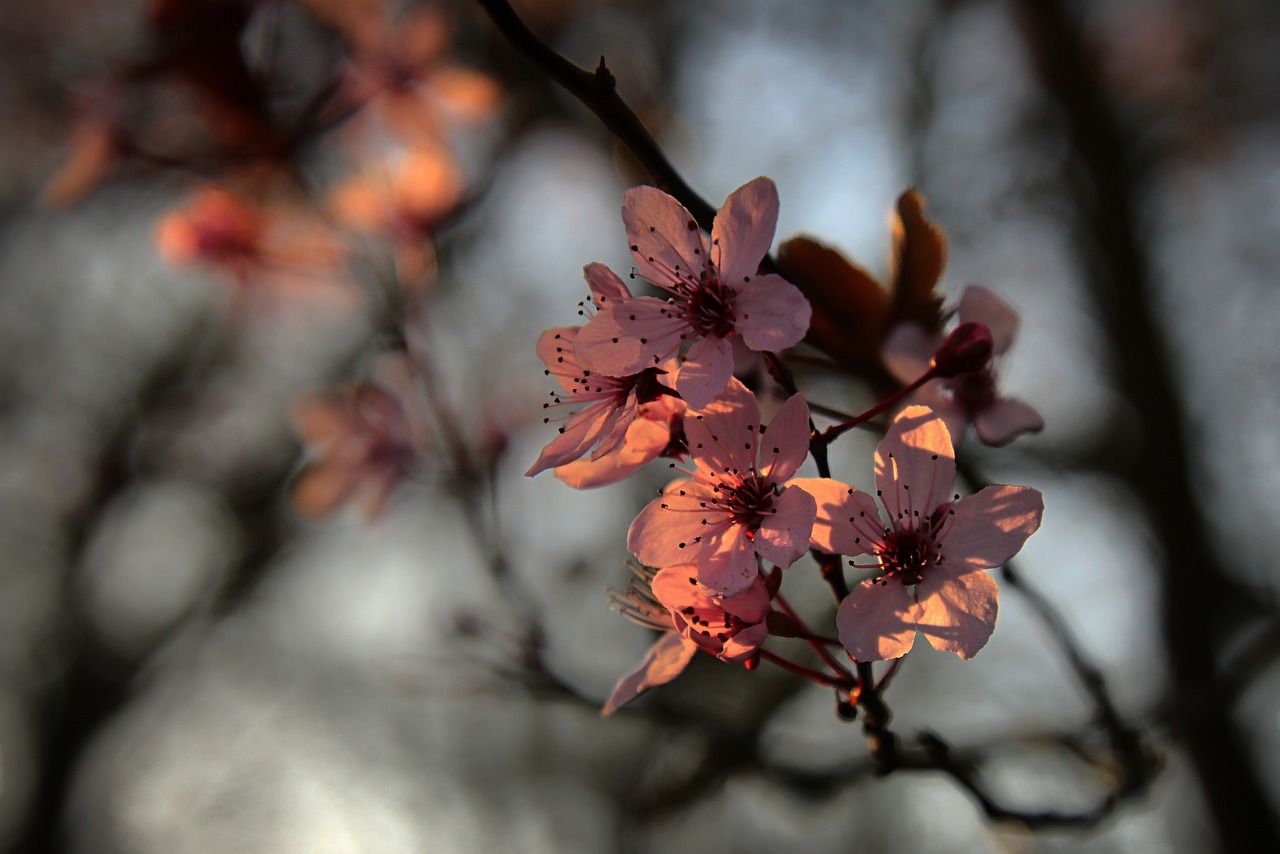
(1198, 593)
(598, 92)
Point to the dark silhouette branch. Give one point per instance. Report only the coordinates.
(598, 92)
(1198, 593)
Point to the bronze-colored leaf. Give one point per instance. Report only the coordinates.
(919, 254)
(850, 308)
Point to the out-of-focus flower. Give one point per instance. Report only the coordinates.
(400, 71)
(972, 397)
(405, 201)
(217, 228)
(278, 247)
(716, 293)
(738, 504)
(732, 628)
(934, 553)
(365, 439)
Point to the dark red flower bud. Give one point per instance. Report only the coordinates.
(967, 349)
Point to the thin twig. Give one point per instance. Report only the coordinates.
(598, 92)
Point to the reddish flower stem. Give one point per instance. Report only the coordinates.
(812, 639)
(807, 673)
(832, 432)
(887, 676)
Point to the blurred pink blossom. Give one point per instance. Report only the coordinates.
(366, 438)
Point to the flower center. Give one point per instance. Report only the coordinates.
(749, 502)
(907, 553)
(712, 622)
(709, 309)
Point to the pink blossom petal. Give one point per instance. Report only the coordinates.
(915, 464)
(770, 313)
(665, 240)
(847, 521)
(786, 447)
(957, 610)
(751, 605)
(664, 661)
(988, 528)
(719, 433)
(981, 305)
(727, 561)
(579, 434)
(745, 643)
(676, 588)
(784, 535)
(702, 616)
(628, 337)
(743, 229)
(645, 441)
(555, 349)
(323, 485)
(908, 351)
(876, 622)
(670, 530)
(606, 288)
(705, 372)
(1006, 419)
(614, 430)
(936, 396)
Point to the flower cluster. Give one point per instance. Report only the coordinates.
(648, 376)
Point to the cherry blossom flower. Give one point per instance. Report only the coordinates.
(738, 504)
(400, 69)
(933, 554)
(971, 397)
(216, 227)
(605, 407)
(275, 248)
(732, 628)
(406, 199)
(366, 439)
(716, 294)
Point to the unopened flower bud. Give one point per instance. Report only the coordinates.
(967, 349)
